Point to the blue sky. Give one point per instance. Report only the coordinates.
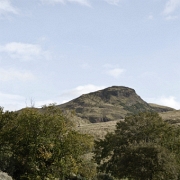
(56, 50)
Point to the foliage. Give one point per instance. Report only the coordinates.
(143, 146)
(102, 176)
(87, 169)
(40, 145)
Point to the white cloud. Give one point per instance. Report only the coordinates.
(85, 66)
(69, 95)
(24, 51)
(86, 89)
(113, 2)
(81, 2)
(16, 102)
(108, 65)
(12, 74)
(171, 6)
(78, 91)
(150, 17)
(171, 17)
(113, 70)
(11, 102)
(167, 101)
(52, 1)
(6, 8)
(116, 72)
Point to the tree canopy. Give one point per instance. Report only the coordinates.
(143, 147)
(41, 145)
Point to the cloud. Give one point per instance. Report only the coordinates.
(78, 91)
(113, 2)
(11, 102)
(171, 17)
(81, 2)
(116, 72)
(24, 51)
(108, 65)
(113, 70)
(6, 8)
(167, 101)
(69, 95)
(171, 6)
(16, 102)
(12, 74)
(150, 17)
(52, 1)
(85, 66)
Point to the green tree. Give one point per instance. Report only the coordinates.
(40, 145)
(143, 147)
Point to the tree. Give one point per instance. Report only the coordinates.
(40, 144)
(143, 147)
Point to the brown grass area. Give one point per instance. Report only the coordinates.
(171, 116)
(98, 130)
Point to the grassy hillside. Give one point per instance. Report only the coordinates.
(160, 108)
(110, 104)
(171, 116)
(97, 113)
(99, 130)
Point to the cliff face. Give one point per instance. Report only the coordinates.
(109, 104)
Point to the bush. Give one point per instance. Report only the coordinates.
(40, 145)
(143, 146)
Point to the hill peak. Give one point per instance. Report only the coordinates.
(112, 103)
(118, 91)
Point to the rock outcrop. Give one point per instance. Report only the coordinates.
(4, 176)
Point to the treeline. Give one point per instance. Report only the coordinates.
(44, 145)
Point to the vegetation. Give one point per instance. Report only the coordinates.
(98, 130)
(172, 117)
(46, 144)
(143, 147)
(110, 104)
(42, 145)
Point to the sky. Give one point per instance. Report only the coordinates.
(52, 51)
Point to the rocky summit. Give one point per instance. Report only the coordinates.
(109, 104)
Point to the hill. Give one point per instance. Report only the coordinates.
(110, 104)
(98, 112)
(160, 108)
(172, 117)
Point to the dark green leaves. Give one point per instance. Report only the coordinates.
(40, 145)
(142, 147)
